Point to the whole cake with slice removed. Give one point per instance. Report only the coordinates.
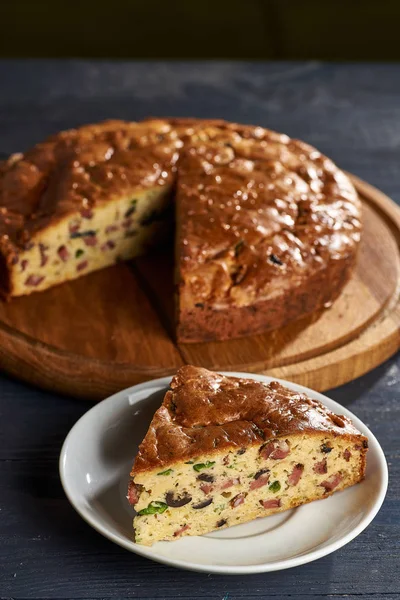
(222, 451)
(267, 228)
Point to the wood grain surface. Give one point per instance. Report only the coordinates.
(114, 328)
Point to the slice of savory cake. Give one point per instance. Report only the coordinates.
(221, 451)
(82, 200)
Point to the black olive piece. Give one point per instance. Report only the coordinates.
(222, 522)
(177, 501)
(261, 472)
(79, 234)
(206, 477)
(241, 451)
(202, 504)
(199, 305)
(273, 258)
(130, 211)
(325, 448)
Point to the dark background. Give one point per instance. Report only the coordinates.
(243, 29)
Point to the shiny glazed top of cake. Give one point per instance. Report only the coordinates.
(205, 412)
(259, 212)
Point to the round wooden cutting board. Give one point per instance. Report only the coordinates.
(114, 328)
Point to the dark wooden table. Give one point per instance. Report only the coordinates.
(351, 112)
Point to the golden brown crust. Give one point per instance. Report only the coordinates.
(76, 170)
(205, 412)
(259, 215)
(267, 227)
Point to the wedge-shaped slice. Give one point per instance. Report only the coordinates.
(82, 200)
(221, 451)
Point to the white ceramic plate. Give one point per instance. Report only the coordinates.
(96, 459)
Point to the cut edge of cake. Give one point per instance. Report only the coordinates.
(201, 489)
(85, 241)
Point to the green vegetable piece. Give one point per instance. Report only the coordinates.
(79, 253)
(189, 462)
(166, 472)
(201, 466)
(134, 202)
(154, 508)
(275, 486)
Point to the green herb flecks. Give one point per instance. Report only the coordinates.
(153, 508)
(201, 466)
(79, 253)
(166, 472)
(274, 487)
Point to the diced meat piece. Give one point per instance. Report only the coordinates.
(320, 467)
(87, 213)
(82, 265)
(74, 226)
(111, 228)
(90, 240)
(181, 530)
(63, 253)
(133, 493)
(109, 245)
(274, 503)
(34, 280)
(229, 483)
(333, 481)
(206, 488)
(43, 256)
(347, 455)
(237, 500)
(295, 475)
(275, 450)
(14, 259)
(260, 482)
(24, 264)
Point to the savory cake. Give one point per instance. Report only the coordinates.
(83, 200)
(222, 450)
(267, 228)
